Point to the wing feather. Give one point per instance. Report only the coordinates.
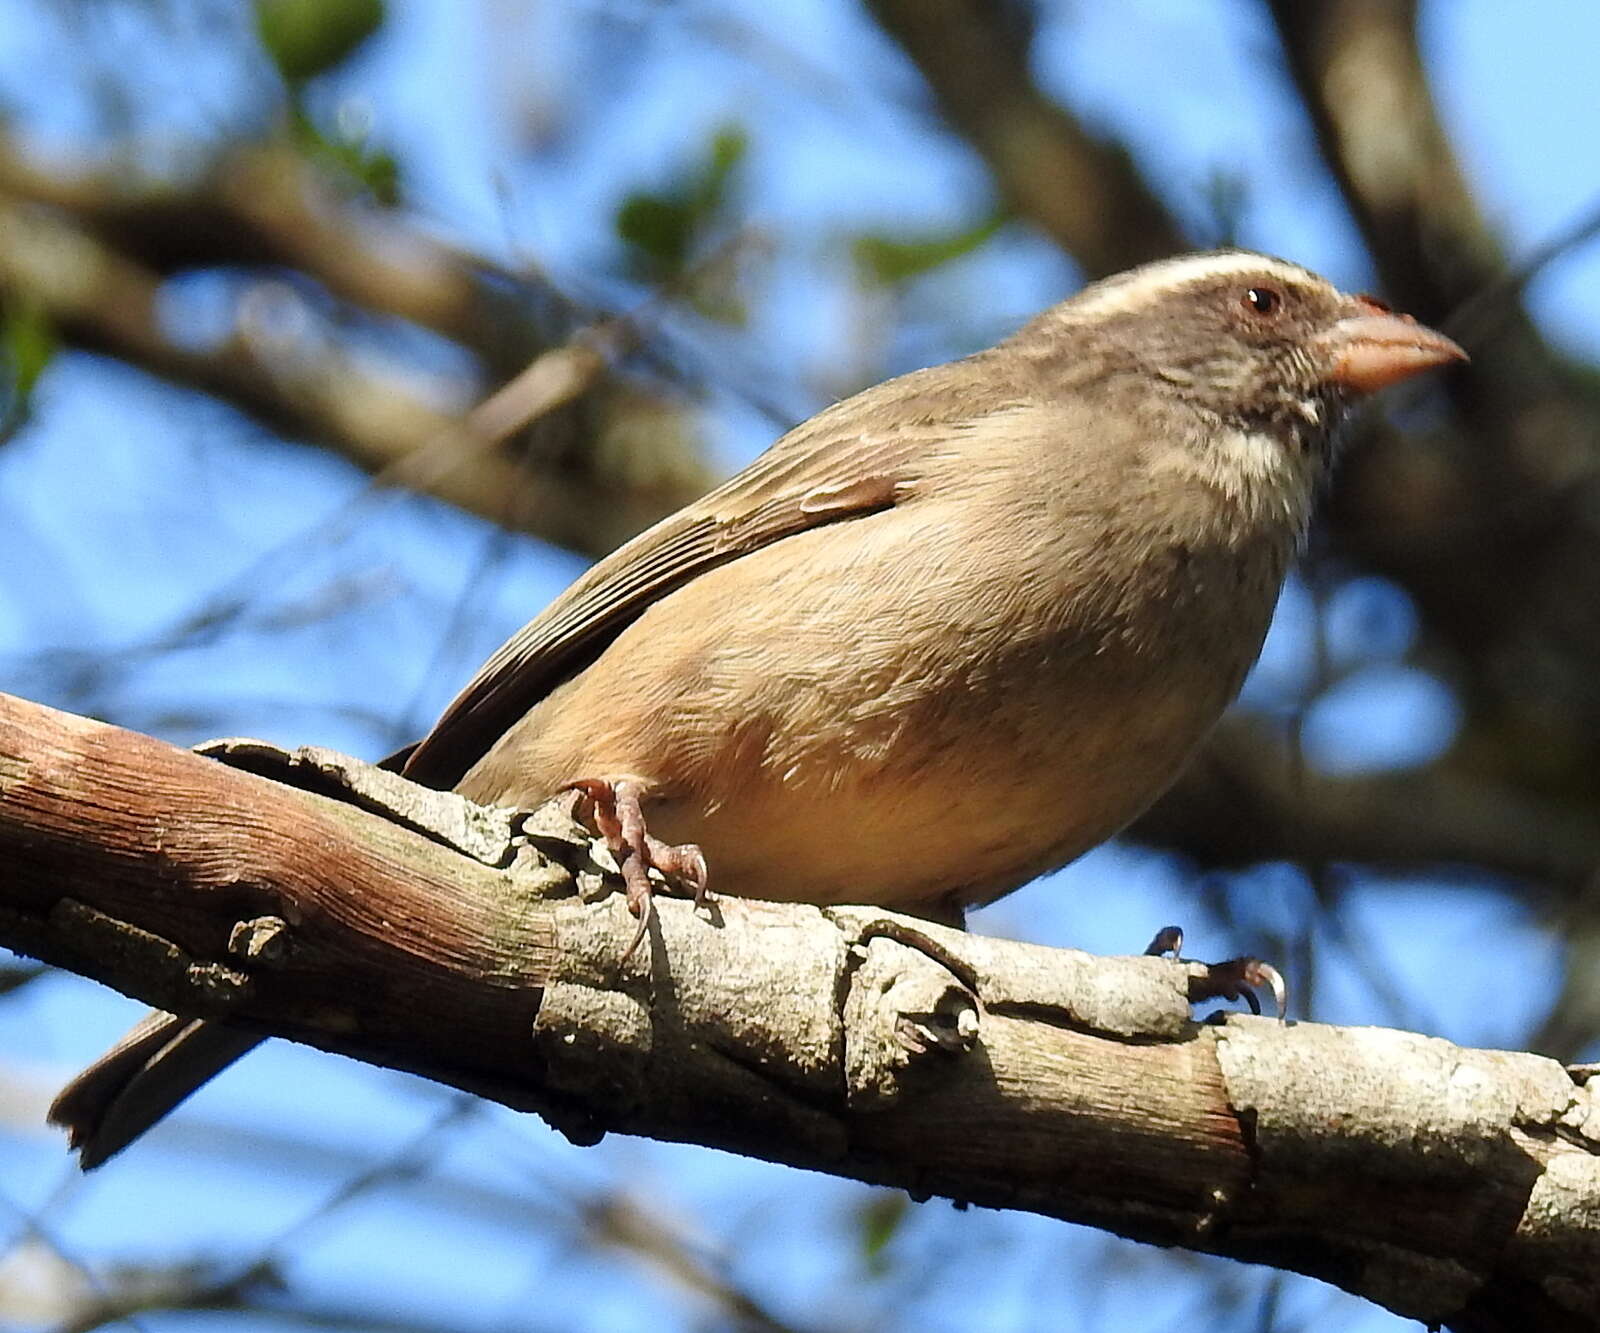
(830, 469)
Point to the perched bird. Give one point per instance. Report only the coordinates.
(944, 636)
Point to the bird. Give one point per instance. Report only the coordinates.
(944, 636)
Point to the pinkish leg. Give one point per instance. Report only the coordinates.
(684, 862)
(619, 819)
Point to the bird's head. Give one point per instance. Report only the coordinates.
(1229, 370)
(1248, 339)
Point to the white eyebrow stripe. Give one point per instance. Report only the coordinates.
(1148, 283)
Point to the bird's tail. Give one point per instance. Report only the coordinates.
(139, 1080)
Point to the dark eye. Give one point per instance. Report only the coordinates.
(1263, 300)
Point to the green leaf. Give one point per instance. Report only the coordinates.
(663, 227)
(28, 344)
(879, 1219)
(374, 170)
(889, 259)
(659, 226)
(379, 171)
(728, 149)
(309, 37)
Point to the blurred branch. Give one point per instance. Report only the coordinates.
(622, 1223)
(93, 252)
(75, 1297)
(1459, 1187)
(106, 303)
(1357, 65)
(1084, 192)
(1478, 315)
(266, 207)
(14, 976)
(144, 1289)
(1573, 1018)
(1246, 800)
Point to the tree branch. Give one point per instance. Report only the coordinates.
(92, 252)
(1447, 1184)
(1085, 193)
(266, 207)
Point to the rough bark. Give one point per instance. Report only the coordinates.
(1451, 1185)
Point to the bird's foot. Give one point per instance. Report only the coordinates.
(619, 819)
(1238, 978)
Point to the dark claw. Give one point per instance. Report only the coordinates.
(1168, 940)
(1239, 979)
(1236, 979)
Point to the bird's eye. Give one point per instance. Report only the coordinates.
(1263, 300)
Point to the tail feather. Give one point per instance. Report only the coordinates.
(138, 1081)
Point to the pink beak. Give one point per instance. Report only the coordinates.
(1375, 347)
